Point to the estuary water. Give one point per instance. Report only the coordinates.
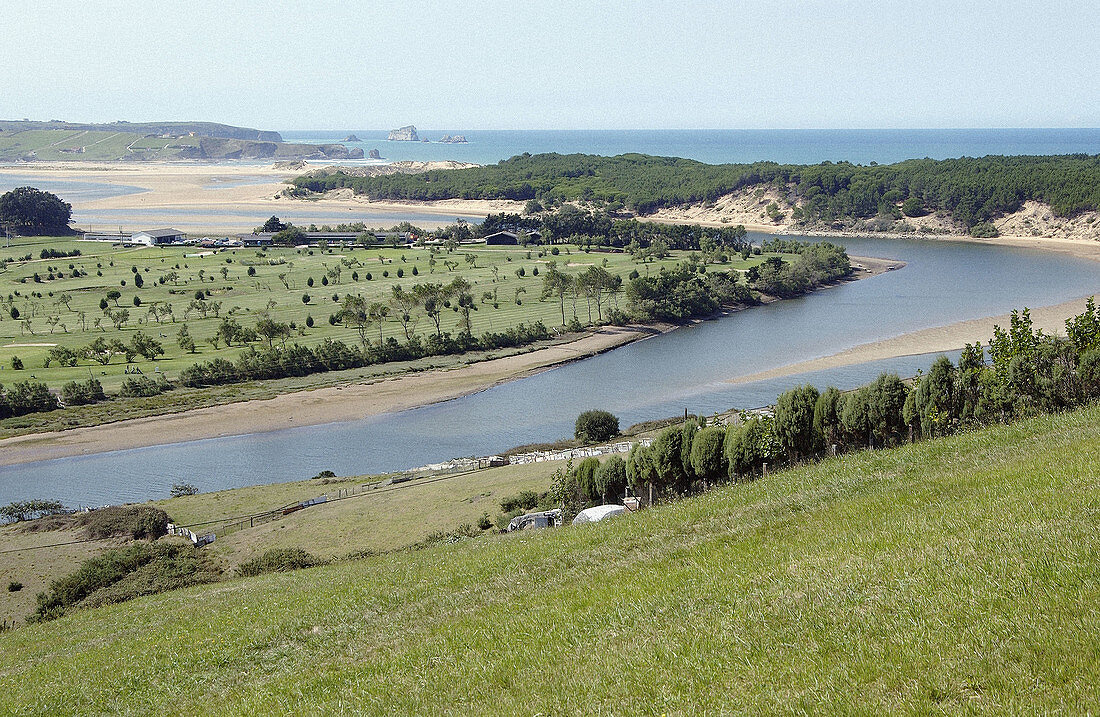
(795, 146)
(943, 282)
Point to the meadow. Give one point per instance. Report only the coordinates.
(957, 575)
(71, 301)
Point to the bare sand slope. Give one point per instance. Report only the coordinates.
(1050, 319)
(315, 407)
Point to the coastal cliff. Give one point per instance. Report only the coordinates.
(403, 134)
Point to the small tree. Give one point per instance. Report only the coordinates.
(595, 426)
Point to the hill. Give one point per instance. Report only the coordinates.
(207, 129)
(956, 575)
(969, 191)
(125, 141)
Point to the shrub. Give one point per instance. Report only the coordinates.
(138, 386)
(484, 522)
(524, 500)
(79, 394)
(595, 426)
(278, 560)
(182, 489)
(130, 521)
(15, 586)
(126, 573)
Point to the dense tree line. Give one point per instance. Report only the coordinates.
(972, 190)
(1027, 373)
(331, 355)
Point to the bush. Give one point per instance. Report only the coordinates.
(126, 573)
(182, 489)
(524, 501)
(278, 560)
(15, 586)
(138, 386)
(80, 394)
(129, 521)
(484, 522)
(595, 426)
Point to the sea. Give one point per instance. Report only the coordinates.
(794, 146)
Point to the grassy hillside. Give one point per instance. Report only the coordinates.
(961, 575)
(108, 143)
(388, 519)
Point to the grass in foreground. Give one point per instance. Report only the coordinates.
(961, 575)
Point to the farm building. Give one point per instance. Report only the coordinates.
(158, 237)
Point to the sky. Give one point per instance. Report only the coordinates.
(530, 64)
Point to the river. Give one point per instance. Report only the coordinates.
(943, 282)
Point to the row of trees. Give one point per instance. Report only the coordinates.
(972, 190)
(332, 355)
(1027, 373)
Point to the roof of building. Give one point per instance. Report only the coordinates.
(160, 233)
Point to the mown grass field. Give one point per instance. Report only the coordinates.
(955, 576)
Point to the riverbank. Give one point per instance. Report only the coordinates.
(227, 198)
(318, 406)
(938, 339)
(345, 402)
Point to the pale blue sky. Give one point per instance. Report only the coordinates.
(566, 64)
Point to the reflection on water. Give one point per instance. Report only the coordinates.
(658, 377)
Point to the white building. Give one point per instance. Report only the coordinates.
(158, 237)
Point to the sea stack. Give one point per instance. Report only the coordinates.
(453, 139)
(404, 134)
(374, 154)
(351, 138)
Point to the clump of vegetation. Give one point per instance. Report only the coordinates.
(21, 510)
(181, 489)
(278, 560)
(129, 521)
(125, 573)
(144, 386)
(596, 426)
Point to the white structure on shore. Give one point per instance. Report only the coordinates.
(158, 237)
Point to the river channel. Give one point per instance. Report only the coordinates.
(943, 282)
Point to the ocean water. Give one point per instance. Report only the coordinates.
(720, 146)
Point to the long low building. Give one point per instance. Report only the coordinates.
(158, 237)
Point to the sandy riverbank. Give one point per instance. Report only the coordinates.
(230, 198)
(340, 403)
(939, 339)
(314, 407)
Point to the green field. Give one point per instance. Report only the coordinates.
(65, 310)
(90, 145)
(960, 575)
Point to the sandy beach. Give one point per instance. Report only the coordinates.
(1051, 319)
(231, 198)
